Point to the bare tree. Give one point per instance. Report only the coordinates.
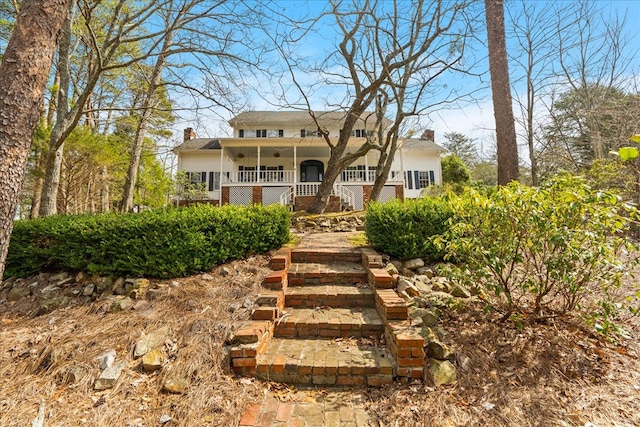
(508, 169)
(23, 76)
(118, 37)
(387, 57)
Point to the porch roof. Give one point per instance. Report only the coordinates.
(198, 144)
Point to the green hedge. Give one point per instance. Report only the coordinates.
(162, 243)
(403, 229)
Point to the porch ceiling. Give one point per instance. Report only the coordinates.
(285, 152)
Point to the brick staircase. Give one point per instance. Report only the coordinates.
(325, 319)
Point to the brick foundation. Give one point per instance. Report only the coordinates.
(303, 202)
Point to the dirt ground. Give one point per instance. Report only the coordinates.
(556, 374)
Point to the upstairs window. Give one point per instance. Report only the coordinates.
(241, 133)
(261, 133)
(308, 133)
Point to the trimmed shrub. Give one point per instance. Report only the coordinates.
(163, 243)
(404, 229)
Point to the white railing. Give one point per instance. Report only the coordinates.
(347, 196)
(307, 189)
(286, 198)
(251, 177)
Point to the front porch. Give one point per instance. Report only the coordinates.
(344, 196)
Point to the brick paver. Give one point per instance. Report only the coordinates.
(333, 409)
(338, 322)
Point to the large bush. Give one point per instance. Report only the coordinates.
(539, 252)
(162, 243)
(403, 229)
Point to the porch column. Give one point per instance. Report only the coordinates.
(295, 165)
(258, 166)
(366, 167)
(404, 184)
(220, 181)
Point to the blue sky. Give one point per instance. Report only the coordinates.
(474, 119)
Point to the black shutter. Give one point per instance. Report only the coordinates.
(211, 181)
(432, 178)
(410, 180)
(281, 133)
(416, 175)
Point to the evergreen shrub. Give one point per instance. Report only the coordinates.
(164, 243)
(403, 229)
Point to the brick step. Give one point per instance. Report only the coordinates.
(330, 323)
(325, 362)
(326, 255)
(328, 296)
(337, 273)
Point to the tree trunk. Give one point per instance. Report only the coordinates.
(53, 164)
(501, 90)
(382, 171)
(126, 204)
(35, 198)
(104, 190)
(23, 77)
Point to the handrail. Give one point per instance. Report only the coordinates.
(286, 198)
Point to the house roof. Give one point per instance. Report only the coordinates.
(198, 144)
(254, 118)
(419, 144)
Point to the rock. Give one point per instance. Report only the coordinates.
(224, 271)
(311, 224)
(425, 271)
(406, 272)
(207, 276)
(109, 376)
(164, 418)
(7, 284)
(18, 293)
(146, 343)
(422, 287)
(118, 286)
(440, 351)
(428, 334)
(391, 269)
(139, 288)
(103, 284)
(120, 304)
(174, 284)
(50, 291)
(413, 264)
(140, 304)
(406, 286)
(430, 317)
(87, 291)
(440, 285)
(442, 372)
(175, 384)
(153, 360)
(82, 277)
(48, 305)
(460, 292)
(59, 276)
(106, 359)
(397, 264)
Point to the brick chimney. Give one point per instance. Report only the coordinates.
(189, 134)
(428, 134)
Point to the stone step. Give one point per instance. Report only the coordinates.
(330, 323)
(325, 362)
(337, 273)
(326, 255)
(328, 296)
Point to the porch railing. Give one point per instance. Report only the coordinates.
(251, 177)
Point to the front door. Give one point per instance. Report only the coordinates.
(311, 171)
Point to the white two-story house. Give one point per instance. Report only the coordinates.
(278, 157)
